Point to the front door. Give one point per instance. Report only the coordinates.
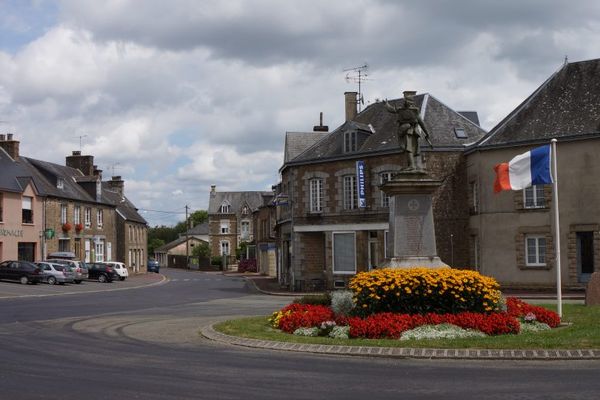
(585, 256)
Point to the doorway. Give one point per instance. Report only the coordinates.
(585, 255)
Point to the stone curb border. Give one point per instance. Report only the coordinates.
(399, 352)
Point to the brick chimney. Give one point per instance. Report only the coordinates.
(97, 172)
(351, 103)
(10, 145)
(83, 163)
(117, 184)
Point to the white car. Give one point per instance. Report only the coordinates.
(120, 269)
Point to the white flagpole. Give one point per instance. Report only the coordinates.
(556, 229)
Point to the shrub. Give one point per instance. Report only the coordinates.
(314, 331)
(342, 302)
(314, 299)
(518, 309)
(340, 332)
(247, 265)
(216, 260)
(424, 290)
(441, 331)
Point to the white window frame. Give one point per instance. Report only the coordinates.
(537, 195)
(99, 250)
(538, 254)
(27, 204)
(60, 183)
(316, 195)
(99, 218)
(350, 141)
(385, 177)
(245, 229)
(88, 217)
(63, 213)
(349, 192)
(77, 215)
(224, 242)
(475, 195)
(224, 227)
(346, 272)
(225, 208)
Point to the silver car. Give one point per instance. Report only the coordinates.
(56, 273)
(78, 267)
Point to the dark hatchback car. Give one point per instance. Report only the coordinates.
(153, 266)
(21, 271)
(102, 272)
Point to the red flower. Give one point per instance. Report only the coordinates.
(518, 308)
(78, 227)
(66, 227)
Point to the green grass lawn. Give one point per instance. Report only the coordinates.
(582, 333)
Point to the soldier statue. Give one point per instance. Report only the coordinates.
(409, 125)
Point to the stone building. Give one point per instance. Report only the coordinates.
(325, 235)
(511, 234)
(265, 237)
(230, 219)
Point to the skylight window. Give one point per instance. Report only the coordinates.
(460, 133)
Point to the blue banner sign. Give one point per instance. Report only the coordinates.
(361, 186)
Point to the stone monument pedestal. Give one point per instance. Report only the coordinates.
(411, 238)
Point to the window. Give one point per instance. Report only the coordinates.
(534, 197)
(77, 215)
(535, 250)
(60, 183)
(225, 226)
(99, 247)
(316, 195)
(88, 217)
(383, 178)
(475, 197)
(225, 248)
(245, 210)
(100, 218)
(64, 244)
(349, 192)
(245, 230)
(350, 144)
(63, 213)
(225, 208)
(344, 259)
(1, 199)
(27, 211)
(460, 133)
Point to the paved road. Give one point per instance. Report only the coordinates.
(143, 344)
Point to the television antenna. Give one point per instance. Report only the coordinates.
(80, 140)
(112, 167)
(358, 75)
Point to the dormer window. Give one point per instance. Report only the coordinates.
(350, 142)
(60, 183)
(225, 208)
(245, 210)
(460, 133)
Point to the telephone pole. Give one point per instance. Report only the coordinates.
(187, 239)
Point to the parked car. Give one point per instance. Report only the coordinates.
(56, 273)
(22, 271)
(153, 266)
(120, 269)
(78, 267)
(102, 272)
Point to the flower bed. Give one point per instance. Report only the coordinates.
(386, 303)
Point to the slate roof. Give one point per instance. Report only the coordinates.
(439, 119)
(45, 175)
(236, 200)
(14, 177)
(200, 229)
(124, 207)
(166, 247)
(297, 142)
(566, 104)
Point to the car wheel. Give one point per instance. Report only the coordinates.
(122, 278)
(51, 280)
(101, 278)
(77, 282)
(24, 280)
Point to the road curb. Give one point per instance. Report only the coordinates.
(404, 352)
(162, 281)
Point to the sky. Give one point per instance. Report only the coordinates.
(177, 95)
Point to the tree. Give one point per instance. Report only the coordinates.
(201, 250)
(153, 244)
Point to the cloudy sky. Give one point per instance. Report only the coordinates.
(177, 95)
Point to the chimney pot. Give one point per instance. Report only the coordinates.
(9, 136)
(320, 127)
(76, 152)
(2, 137)
(10, 145)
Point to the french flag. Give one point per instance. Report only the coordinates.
(525, 170)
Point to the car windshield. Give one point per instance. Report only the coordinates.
(59, 267)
